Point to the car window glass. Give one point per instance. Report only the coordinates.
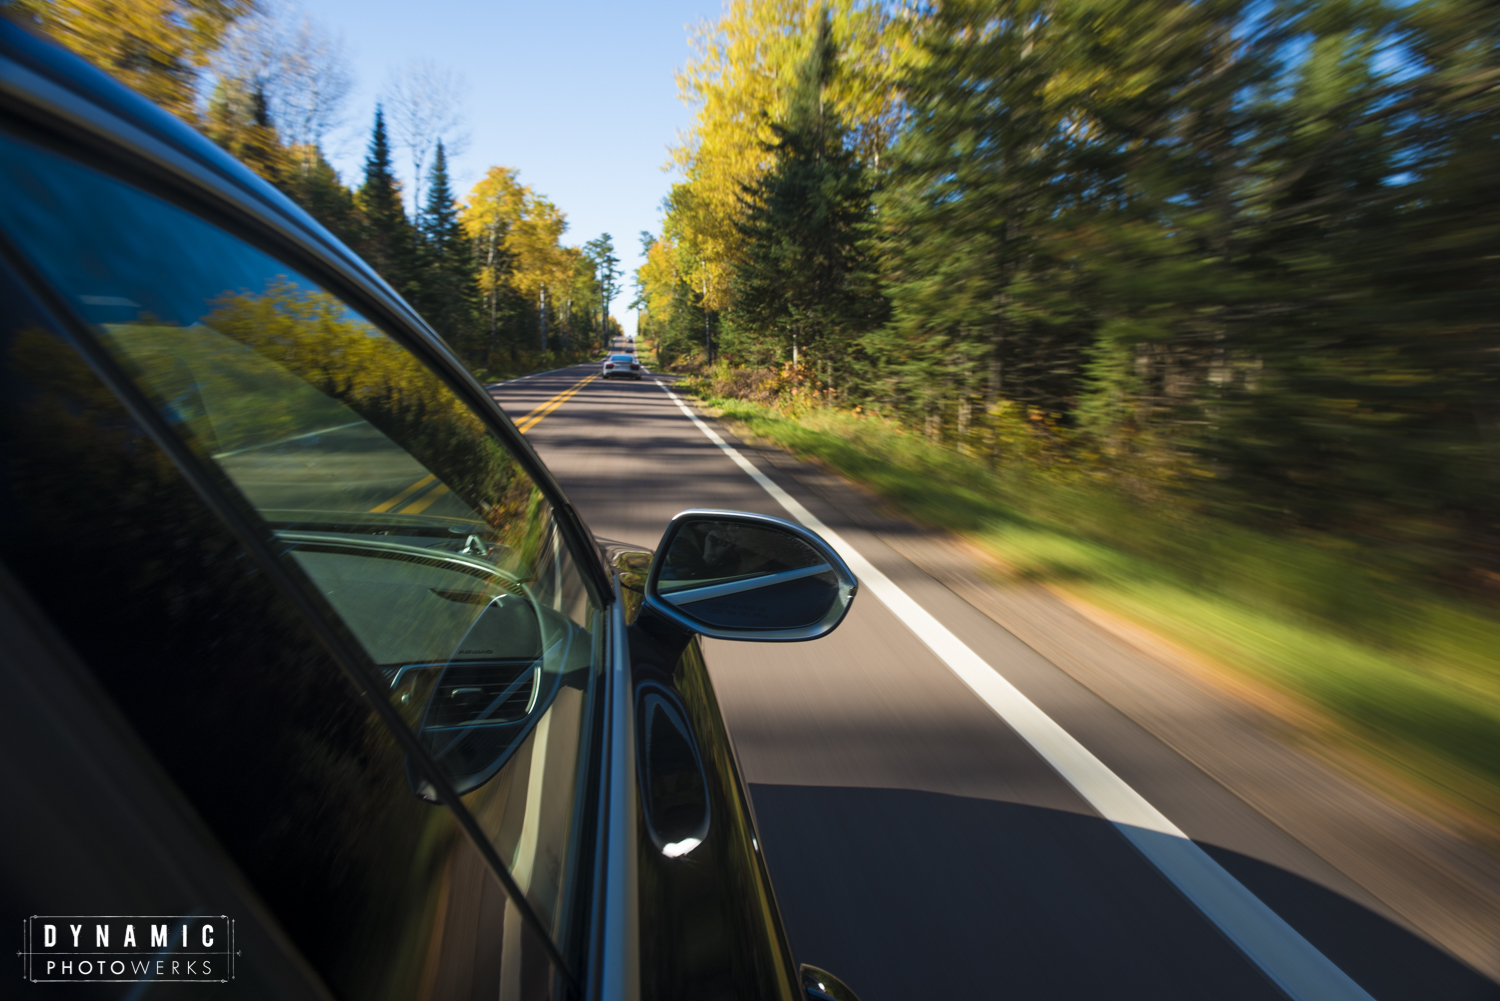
(414, 527)
(220, 677)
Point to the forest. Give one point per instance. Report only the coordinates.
(1189, 308)
(1245, 254)
(488, 271)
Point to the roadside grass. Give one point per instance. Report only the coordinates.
(647, 354)
(529, 363)
(1409, 677)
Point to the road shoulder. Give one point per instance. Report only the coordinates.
(1264, 748)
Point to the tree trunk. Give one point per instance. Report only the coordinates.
(542, 313)
(494, 294)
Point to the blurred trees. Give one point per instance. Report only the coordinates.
(158, 47)
(1235, 256)
(535, 292)
(490, 273)
(740, 81)
(804, 277)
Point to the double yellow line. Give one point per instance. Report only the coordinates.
(525, 424)
(417, 506)
(534, 418)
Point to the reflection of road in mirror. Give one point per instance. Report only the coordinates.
(725, 550)
(749, 577)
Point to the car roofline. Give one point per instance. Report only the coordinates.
(58, 93)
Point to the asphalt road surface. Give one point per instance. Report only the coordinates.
(348, 468)
(921, 845)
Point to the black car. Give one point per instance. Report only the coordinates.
(304, 652)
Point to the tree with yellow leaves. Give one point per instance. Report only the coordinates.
(739, 82)
(657, 280)
(525, 274)
(157, 47)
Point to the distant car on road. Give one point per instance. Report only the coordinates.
(622, 367)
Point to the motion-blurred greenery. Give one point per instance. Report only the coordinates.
(1236, 260)
(1410, 673)
(1190, 308)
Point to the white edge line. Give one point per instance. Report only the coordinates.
(1278, 949)
(283, 441)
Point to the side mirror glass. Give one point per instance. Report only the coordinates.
(732, 575)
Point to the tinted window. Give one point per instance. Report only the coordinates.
(411, 527)
(83, 835)
(298, 780)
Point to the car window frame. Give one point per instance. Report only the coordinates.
(217, 493)
(172, 162)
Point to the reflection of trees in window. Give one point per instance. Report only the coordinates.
(201, 653)
(316, 337)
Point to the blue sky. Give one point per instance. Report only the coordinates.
(577, 94)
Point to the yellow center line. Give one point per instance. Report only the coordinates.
(534, 418)
(526, 423)
(394, 501)
(423, 503)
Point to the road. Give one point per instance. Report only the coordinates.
(921, 846)
(346, 468)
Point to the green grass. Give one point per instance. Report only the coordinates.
(647, 354)
(529, 362)
(1410, 675)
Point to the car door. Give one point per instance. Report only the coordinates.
(343, 617)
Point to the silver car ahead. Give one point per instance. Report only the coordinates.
(622, 367)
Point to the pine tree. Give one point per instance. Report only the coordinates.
(312, 183)
(448, 288)
(805, 278)
(605, 271)
(981, 173)
(388, 244)
(238, 120)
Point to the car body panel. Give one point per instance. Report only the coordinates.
(704, 945)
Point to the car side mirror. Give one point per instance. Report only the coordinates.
(736, 576)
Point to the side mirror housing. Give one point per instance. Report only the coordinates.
(737, 576)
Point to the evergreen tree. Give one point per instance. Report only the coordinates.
(981, 306)
(805, 278)
(447, 285)
(238, 120)
(388, 243)
(312, 183)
